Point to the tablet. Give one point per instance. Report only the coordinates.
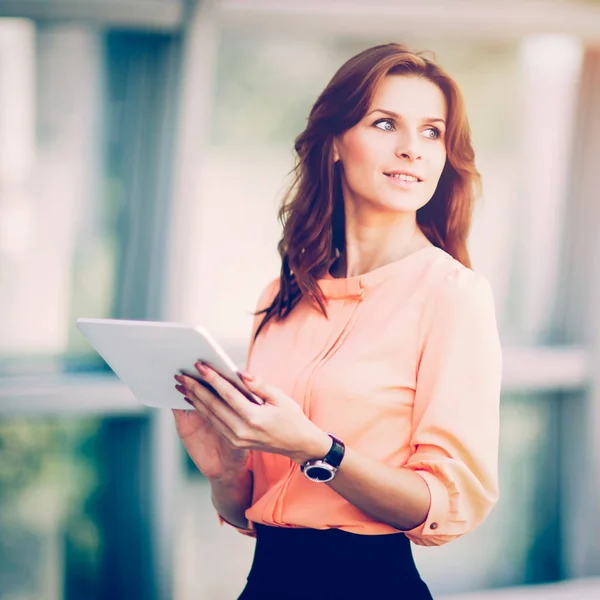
(145, 355)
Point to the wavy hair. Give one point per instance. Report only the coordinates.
(312, 210)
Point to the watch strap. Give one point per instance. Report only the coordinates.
(333, 457)
(336, 452)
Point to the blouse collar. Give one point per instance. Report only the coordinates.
(354, 287)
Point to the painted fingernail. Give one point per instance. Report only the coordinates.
(202, 369)
(180, 388)
(178, 378)
(188, 401)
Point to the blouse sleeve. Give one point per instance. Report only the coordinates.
(456, 409)
(266, 297)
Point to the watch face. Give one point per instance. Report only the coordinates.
(319, 473)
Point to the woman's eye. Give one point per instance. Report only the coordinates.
(433, 133)
(385, 124)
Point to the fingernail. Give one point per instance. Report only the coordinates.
(188, 401)
(248, 376)
(180, 388)
(201, 368)
(178, 378)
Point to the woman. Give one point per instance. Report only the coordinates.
(376, 351)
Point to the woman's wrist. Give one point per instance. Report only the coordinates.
(317, 445)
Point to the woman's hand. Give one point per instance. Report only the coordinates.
(278, 426)
(212, 453)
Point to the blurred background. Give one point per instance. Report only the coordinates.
(144, 147)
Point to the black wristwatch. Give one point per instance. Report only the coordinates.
(322, 470)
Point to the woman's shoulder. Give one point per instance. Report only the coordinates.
(268, 294)
(453, 282)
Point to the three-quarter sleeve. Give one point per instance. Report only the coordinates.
(455, 424)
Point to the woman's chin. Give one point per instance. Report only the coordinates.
(402, 205)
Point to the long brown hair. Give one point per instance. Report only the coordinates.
(312, 211)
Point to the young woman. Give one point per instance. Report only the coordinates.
(376, 351)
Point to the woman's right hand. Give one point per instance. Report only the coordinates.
(210, 451)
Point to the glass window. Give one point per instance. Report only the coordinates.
(58, 247)
(77, 512)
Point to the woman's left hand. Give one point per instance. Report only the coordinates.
(278, 426)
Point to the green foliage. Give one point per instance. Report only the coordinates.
(47, 481)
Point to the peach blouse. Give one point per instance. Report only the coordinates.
(406, 369)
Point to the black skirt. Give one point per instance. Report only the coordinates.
(312, 564)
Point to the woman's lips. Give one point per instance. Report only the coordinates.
(403, 181)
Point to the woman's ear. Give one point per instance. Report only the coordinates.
(336, 153)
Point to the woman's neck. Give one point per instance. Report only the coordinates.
(369, 249)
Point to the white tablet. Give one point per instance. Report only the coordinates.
(146, 355)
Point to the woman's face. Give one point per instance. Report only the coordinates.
(393, 158)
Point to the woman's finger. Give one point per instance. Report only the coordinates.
(262, 389)
(197, 395)
(206, 414)
(191, 387)
(229, 393)
(240, 428)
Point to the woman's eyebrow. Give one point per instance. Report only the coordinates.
(397, 116)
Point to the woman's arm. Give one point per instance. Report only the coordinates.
(231, 496)
(397, 497)
(449, 482)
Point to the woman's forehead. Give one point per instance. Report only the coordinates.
(410, 96)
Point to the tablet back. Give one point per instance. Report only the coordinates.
(146, 355)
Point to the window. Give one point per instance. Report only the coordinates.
(85, 147)
(58, 249)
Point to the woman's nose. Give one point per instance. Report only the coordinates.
(407, 146)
